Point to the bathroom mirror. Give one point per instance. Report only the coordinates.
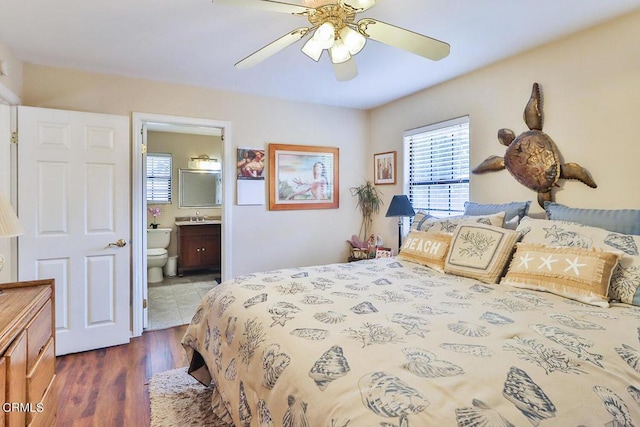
(200, 188)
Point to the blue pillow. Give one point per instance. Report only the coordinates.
(510, 209)
(623, 221)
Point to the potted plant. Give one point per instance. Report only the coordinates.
(369, 202)
(155, 211)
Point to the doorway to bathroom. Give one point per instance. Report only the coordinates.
(179, 144)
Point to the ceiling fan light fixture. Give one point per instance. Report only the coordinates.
(353, 40)
(339, 52)
(312, 49)
(325, 35)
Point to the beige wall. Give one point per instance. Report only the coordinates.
(261, 239)
(589, 80)
(182, 147)
(591, 87)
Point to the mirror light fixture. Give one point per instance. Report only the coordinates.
(9, 223)
(205, 162)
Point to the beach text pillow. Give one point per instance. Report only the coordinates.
(428, 249)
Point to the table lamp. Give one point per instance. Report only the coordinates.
(400, 207)
(9, 224)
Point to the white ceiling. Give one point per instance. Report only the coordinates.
(196, 42)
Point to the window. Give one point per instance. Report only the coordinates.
(437, 167)
(159, 167)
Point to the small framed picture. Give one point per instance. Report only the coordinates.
(383, 252)
(384, 168)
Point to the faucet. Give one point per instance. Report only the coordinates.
(197, 216)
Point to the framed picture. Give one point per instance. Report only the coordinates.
(384, 168)
(303, 177)
(383, 252)
(250, 163)
(250, 176)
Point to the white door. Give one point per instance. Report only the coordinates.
(74, 204)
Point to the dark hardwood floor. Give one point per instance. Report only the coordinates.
(109, 387)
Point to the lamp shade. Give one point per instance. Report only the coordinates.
(9, 224)
(353, 40)
(400, 206)
(325, 35)
(312, 49)
(339, 52)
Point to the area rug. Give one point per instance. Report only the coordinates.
(177, 399)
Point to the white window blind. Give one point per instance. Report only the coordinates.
(438, 167)
(159, 167)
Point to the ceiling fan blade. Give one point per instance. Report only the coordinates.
(346, 70)
(404, 39)
(362, 5)
(274, 6)
(272, 48)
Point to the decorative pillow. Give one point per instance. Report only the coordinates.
(624, 221)
(448, 224)
(511, 209)
(625, 283)
(576, 273)
(419, 218)
(512, 224)
(429, 249)
(480, 251)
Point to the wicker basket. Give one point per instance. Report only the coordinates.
(357, 253)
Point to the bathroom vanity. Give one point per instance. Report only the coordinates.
(198, 245)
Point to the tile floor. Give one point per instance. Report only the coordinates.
(173, 301)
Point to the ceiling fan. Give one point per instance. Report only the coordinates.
(334, 28)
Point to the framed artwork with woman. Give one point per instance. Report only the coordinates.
(303, 177)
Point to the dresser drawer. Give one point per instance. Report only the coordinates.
(46, 417)
(38, 334)
(15, 359)
(40, 376)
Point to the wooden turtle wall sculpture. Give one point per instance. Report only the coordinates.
(532, 157)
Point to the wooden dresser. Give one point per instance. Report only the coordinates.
(27, 354)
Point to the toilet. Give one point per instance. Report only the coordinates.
(157, 243)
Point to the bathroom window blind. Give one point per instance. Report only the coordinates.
(159, 167)
(438, 167)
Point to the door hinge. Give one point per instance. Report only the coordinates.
(144, 148)
(144, 303)
(14, 137)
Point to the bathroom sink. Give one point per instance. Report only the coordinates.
(204, 222)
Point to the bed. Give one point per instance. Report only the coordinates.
(393, 342)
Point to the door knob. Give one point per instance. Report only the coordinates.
(120, 243)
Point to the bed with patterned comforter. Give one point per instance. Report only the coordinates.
(392, 343)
